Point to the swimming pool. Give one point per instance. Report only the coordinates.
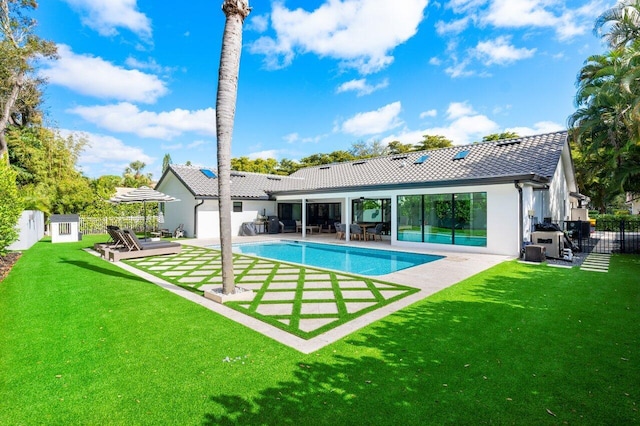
(356, 260)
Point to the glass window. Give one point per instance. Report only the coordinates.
(471, 219)
(237, 206)
(410, 218)
(459, 219)
(438, 217)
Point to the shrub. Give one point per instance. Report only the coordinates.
(10, 207)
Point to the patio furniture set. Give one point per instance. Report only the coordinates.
(358, 231)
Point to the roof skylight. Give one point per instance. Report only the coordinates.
(461, 155)
(421, 159)
(208, 173)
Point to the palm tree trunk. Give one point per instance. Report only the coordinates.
(236, 11)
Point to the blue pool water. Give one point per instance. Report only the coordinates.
(356, 260)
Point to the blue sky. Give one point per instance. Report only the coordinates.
(138, 78)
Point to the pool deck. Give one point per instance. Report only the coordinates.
(429, 278)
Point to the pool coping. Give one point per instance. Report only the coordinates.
(429, 278)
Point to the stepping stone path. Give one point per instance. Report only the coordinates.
(304, 301)
(596, 262)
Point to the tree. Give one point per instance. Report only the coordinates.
(619, 26)
(235, 11)
(259, 165)
(19, 46)
(333, 157)
(133, 177)
(433, 142)
(397, 147)
(166, 161)
(45, 167)
(10, 207)
(363, 149)
(500, 136)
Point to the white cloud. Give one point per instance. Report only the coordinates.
(341, 30)
(538, 128)
(105, 154)
(519, 13)
(374, 122)
(459, 109)
(430, 113)
(128, 118)
(198, 143)
(257, 23)
(106, 16)
(150, 64)
(361, 86)
(93, 76)
(270, 153)
(291, 138)
(501, 51)
(453, 27)
(464, 126)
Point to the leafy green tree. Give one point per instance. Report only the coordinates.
(133, 176)
(259, 165)
(397, 147)
(500, 136)
(363, 149)
(45, 166)
(333, 157)
(166, 162)
(19, 48)
(433, 142)
(619, 26)
(10, 207)
(287, 167)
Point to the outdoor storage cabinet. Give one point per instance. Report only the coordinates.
(534, 253)
(553, 242)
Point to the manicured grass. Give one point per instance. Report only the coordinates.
(82, 342)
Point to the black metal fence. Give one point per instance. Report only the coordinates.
(607, 236)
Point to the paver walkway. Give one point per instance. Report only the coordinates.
(596, 262)
(304, 301)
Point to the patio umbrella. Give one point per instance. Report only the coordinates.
(143, 195)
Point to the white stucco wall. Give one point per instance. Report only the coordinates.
(209, 216)
(31, 229)
(178, 212)
(502, 214)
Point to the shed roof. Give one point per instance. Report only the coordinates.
(62, 218)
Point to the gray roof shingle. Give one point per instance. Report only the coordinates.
(537, 155)
(243, 184)
(532, 155)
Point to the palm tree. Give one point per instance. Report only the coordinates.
(624, 18)
(235, 11)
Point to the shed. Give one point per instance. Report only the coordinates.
(65, 228)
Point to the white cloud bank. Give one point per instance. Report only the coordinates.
(128, 118)
(106, 16)
(361, 86)
(93, 76)
(341, 30)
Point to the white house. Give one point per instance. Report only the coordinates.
(480, 198)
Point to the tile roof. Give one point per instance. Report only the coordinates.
(531, 155)
(243, 184)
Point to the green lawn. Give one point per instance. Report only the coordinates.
(83, 342)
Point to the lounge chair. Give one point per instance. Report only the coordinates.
(116, 241)
(136, 248)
